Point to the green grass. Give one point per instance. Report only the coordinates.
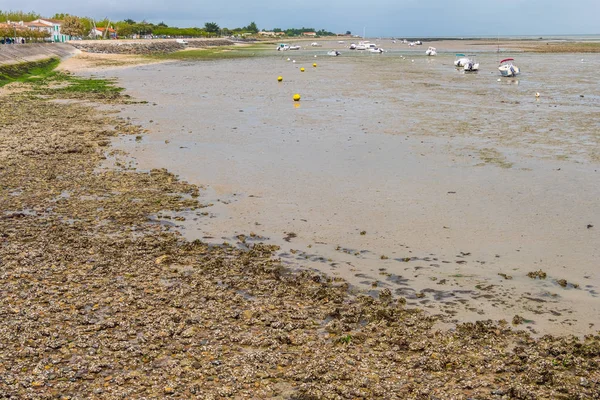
(215, 53)
(44, 79)
(27, 71)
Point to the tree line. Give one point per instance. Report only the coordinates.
(83, 27)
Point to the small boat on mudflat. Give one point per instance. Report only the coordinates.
(508, 69)
(472, 65)
(461, 60)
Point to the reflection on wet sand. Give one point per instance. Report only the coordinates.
(443, 187)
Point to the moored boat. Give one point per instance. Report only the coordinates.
(507, 68)
(472, 65)
(461, 60)
(431, 51)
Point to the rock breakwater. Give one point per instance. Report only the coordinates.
(146, 46)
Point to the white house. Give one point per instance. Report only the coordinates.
(53, 27)
(100, 32)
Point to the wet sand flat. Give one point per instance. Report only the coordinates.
(102, 297)
(395, 171)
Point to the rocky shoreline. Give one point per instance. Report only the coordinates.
(101, 301)
(140, 47)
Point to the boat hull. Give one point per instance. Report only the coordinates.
(471, 67)
(509, 70)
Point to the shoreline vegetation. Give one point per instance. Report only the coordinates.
(26, 70)
(101, 300)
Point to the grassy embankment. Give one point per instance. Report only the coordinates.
(25, 71)
(44, 79)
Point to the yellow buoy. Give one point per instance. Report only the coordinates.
(301, 69)
(315, 64)
(296, 97)
(279, 78)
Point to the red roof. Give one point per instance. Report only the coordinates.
(102, 29)
(36, 24)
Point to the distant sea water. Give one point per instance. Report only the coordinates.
(590, 38)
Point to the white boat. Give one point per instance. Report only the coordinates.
(431, 51)
(352, 46)
(507, 68)
(472, 65)
(375, 50)
(294, 47)
(283, 47)
(333, 53)
(315, 44)
(461, 60)
(362, 45)
(365, 45)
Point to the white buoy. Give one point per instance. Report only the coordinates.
(499, 80)
(537, 94)
(315, 56)
(288, 59)
(412, 60)
(293, 61)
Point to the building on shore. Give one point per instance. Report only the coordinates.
(271, 34)
(52, 26)
(101, 32)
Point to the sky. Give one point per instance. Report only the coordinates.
(398, 18)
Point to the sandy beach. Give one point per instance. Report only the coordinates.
(404, 231)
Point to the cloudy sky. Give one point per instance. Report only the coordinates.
(380, 17)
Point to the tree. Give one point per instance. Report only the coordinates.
(143, 28)
(162, 24)
(129, 21)
(211, 27)
(124, 29)
(18, 16)
(72, 26)
(348, 33)
(252, 27)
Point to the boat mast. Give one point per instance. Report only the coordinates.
(364, 31)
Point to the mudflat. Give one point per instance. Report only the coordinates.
(103, 294)
(395, 171)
